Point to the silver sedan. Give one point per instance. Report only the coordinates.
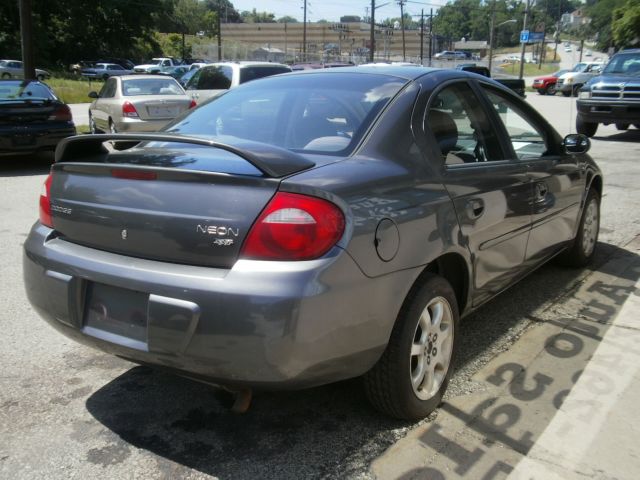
(14, 69)
(137, 103)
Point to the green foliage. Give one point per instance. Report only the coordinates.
(228, 14)
(601, 15)
(257, 17)
(287, 19)
(626, 25)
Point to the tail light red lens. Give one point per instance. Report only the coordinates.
(294, 227)
(61, 114)
(192, 104)
(45, 203)
(128, 110)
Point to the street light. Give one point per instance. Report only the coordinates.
(491, 36)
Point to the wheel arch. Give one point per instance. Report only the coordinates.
(595, 182)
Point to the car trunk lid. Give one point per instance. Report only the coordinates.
(187, 203)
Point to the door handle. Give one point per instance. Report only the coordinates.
(475, 208)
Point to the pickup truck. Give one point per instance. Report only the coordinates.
(613, 96)
(515, 84)
(572, 81)
(156, 65)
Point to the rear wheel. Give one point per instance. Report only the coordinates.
(112, 127)
(584, 245)
(586, 128)
(566, 93)
(622, 126)
(92, 124)
(6, 75)
(410, 378)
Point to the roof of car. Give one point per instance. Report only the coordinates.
(391, 70)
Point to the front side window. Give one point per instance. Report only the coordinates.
(461, 128)
(526, 139)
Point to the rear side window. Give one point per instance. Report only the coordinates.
(212, 78)
(24, 90)
(253, 73)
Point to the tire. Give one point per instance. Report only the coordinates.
(575, 89)
(566, 94)
(410, 378)
(551, 89)
(586, 128)
(542, 91)
(583, 248)
(6, 75)
(622, 126)
(92, 125)
(112, 127)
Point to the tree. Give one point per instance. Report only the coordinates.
(257, 17)
(601, 15)
(228, 14)
(625, 25)
(287, 19)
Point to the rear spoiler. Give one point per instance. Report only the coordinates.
(272, 161)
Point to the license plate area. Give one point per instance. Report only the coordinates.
(162, 111)
(23, 140)
(117, 311)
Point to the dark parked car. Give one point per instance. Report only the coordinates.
(32, 118)
(311, 227)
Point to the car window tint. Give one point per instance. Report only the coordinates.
(215, 78)
(109, 89)
(461, 127)
(21, 90)
(299, 113)
(526, 139)
(253, 73)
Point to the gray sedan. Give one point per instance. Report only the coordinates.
(311, 227)
(105, 70)
(137, 103)
(14, 69)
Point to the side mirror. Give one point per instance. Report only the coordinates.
(94, 95)
(576, 143)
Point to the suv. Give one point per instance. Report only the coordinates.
(216, 78)
(612, 97)
(570, 82)
(450, 55)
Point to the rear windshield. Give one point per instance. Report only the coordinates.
(319, 113)
(151, 86)
(253, 73)
(21, 90)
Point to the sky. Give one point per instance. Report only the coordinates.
(332, 10)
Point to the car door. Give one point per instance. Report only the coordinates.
(490, 192)
(558, 179)
(103, 105)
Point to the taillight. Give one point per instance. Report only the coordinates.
(45, 203)
(61, 114)
(294, 227)
(192, 104)
(128, 110)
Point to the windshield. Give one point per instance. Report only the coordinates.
(579, 67)
(21, 90)
(313, 113)
(624, 64)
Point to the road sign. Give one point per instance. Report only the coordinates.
(536, 37)
(524, 36)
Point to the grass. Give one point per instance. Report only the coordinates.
(530, 69)
(74, 91)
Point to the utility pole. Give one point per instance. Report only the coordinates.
(430, 35)
(404, 51)
(372, 38)
(493, 19)
(219, 22)
(421, 35)
(524, 45)
(28, 64)
(304, 33)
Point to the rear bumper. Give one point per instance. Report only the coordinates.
(137, 125)
(258, 324)
(31, 138)
(607, 112)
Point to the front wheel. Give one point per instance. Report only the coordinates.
(542, 91)
(583, 248)
(6, 75)
(410, 378)
(566, 93)
(551, 89)
(575, 90)
(622, 126)
(586, 128)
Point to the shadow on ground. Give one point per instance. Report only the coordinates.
(631, 135)
(324, 432)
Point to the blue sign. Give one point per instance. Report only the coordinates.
(524, 36)
(536, 37)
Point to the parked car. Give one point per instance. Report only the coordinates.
(450, 55)
(309, 228)
(32, 117)
(14, 69)
(137, 103)
(569, 83)
(105, 70)
(216, 78)
(613, 96)
(155, 65)
(546, 85)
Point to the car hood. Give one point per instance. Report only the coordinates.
(546, 77)
(618, 80)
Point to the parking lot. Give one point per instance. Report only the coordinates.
(67, 411)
